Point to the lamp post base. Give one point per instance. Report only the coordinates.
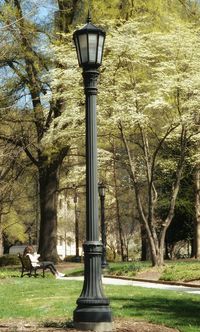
(97, 318)
(93, 311)
(99, 327)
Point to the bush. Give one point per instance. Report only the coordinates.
(72, 259)
(124, 269)
(7, 259)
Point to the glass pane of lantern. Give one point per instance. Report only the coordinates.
(92, 47)
(77, 50)
(83, 47)
(100, 49)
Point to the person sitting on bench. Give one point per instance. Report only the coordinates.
(29, 251)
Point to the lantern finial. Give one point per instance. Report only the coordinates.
(89, 17)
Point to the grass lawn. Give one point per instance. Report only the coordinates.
(172, 309)
(49, 300)
(184, 270)
(181, 270)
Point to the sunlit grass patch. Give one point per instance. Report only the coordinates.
(128, 269)
(181, 271)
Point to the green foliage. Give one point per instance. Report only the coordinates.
(7, 260)
(183, 222)
(14, 228)
(156, 13)
(108, 10)
(182, 226)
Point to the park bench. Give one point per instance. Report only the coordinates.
(27, 268)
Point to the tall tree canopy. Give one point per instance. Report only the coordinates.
(150, 68)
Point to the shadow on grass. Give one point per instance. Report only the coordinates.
(172, 312)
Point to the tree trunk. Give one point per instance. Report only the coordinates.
(119, 223)
(48, 183)
(1, 239)
(197, 208)
(48, 187)
(143, 243)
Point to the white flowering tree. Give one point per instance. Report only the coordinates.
(48, 118)
(151, 94)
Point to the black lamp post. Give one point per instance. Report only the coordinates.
(93, 311)
(102, 189)
(76, 214)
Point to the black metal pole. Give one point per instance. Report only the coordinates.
(103, 232)
(77, 257)
(93, 311)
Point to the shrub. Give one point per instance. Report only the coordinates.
(124, 269)
(7, 259)
(73, 259)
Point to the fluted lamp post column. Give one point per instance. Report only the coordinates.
(102, 190)
(76, 214)
(93, 311)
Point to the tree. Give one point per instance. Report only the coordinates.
(153, 75)
(29, 69)
(144, 78)
(197, 209)
(17, 197)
